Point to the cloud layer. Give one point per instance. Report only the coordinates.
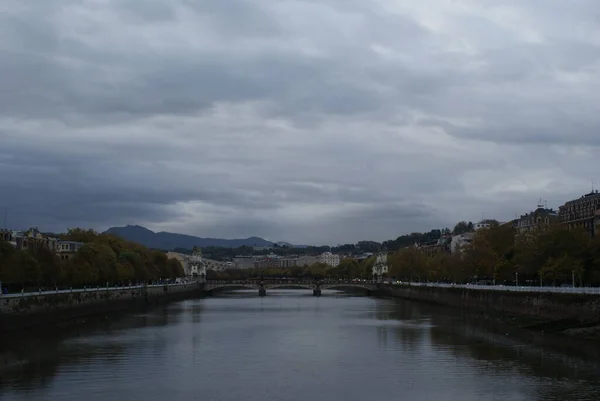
(325, 121)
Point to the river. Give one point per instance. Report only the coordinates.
(293, 346)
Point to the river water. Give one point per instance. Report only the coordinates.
(293, 346)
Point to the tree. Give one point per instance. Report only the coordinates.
(175, 268)
(6, 253)
(24, 269)
(480, 259)
(462, 227)
(348, 268)
(50, 265)
(409, 264)
(79, 235)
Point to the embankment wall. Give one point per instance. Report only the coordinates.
(584, 308)
(48, 308)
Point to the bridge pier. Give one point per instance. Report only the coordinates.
(317, 291)
(262, 291)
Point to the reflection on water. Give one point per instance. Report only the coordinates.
(290, 345)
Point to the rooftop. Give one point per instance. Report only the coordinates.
(593, 194)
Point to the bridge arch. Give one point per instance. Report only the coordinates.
(289, 286)
(346, 286)
(221, 287)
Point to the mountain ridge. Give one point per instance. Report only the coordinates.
(168, 241)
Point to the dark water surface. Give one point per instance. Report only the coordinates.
(292, 346)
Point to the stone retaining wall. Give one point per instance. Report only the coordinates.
(584, 308)
(24, 312)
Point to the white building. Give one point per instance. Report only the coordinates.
(197, 267)
(380, 267)
(330, 259)
(193, 265)
(480, 225)
(459, 241)
(217, 265)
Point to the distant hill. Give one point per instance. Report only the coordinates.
(168, 241)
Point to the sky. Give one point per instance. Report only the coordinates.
(313, 122)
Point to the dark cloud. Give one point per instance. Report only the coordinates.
(308, 121)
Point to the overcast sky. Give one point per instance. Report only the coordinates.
(309, 121)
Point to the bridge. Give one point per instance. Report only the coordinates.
(315, 286)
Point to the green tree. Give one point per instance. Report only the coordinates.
(50, 265)
(24, 269)
(175, 268)
(462, 227)
(6, 254)
(79, 235)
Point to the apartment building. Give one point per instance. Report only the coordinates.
(538, 219)
(581, 212)
(329, 258)
(68, 249)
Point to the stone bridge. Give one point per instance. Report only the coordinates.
(263, 286)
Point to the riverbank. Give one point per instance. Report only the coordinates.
(568, 314)
(20, 313)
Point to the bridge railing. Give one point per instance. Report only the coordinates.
(520, 288)
(268, 283)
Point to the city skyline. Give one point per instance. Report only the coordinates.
(311, 123)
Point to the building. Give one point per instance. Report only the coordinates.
(380, 267)
(217, 265)
(580, 212)
(270, 261)
(597, 223)
(196, 267)
(307, 260)
(432, 248)
(458, 242)
(68, 249)
(243, 262)
(538, 219)
(481, 224)
(286, 263)
(330, 259)
(8, 236)
(32, 240)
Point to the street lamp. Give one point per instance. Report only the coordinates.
(573, 277)
(516, 279)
